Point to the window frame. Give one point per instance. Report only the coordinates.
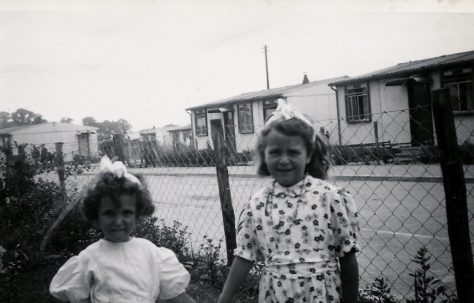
(455, 77)
(149, 137)
(247, 128)
(267, 105)
(200, 114)
(353, 98)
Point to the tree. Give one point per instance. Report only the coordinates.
(4, 119)
(25, 117)
(66, 120)
(89, 121)
(107, 128)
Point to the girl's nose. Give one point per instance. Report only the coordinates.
(284, 160)
(119, 220)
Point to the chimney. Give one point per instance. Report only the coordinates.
(305, 79)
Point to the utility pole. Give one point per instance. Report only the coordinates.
(266, 67)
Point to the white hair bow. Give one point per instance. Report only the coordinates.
(286, 111)
(118, 169)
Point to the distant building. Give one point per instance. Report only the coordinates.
(159, 135)
(76, 139)
(398, 98)
(181, 137)
(241, 117)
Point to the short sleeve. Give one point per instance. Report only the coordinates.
(174, 278)
(344, 223)
(72, 282)
(246, 235)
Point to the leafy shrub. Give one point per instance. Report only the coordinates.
(209, 261)
(428, 289)
(377, 292)
(344, 154)
(174, 237)
(27, 206)
(184, 158)
(467, 152)
(429, 154)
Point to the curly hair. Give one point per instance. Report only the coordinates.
(319, 163)
(107, 184)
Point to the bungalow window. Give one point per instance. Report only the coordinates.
(149, 137)
(269, 106)
(201, 122)
(459, 83)
(245, 118)
(357, 103)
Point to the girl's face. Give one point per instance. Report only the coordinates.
(117, 218)
(286, 157)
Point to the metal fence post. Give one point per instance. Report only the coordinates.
(455, 191)
(377, 143)
(228, 216)
(59, 163)
(119, 147)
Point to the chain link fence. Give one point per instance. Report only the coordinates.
(391, 168)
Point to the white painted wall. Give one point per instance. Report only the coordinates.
(318, 102)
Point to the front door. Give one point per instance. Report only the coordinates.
(421, 117)
(229, 134)
(84, 145)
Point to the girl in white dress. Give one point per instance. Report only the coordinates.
(119, 267)
(303, 228)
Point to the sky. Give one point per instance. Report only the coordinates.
(147, 61)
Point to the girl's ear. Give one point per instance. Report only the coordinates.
(310, 156)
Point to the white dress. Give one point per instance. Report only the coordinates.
(132, 271)
(300, 231)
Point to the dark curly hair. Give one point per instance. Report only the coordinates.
(107, 184)
(319, 163)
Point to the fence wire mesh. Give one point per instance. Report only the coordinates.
(389, 163)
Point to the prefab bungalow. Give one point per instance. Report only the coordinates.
(159, 135)
(240, 117)
(394, 104)
(76, 139)
(181, 137)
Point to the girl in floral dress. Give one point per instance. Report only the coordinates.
(304, 228)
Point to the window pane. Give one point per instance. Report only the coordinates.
(459, 82)
(201, 127)
(245, 117)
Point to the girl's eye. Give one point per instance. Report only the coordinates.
(295, 152)
(128, 213)
(273, 152)
(108, 213)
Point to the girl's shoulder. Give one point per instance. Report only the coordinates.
(147, 244)
(323, 186)
(90, 250)
(263, 192)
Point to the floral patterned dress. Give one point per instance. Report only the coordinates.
(300, 231)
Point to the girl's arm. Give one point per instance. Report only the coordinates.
(238, 272)
(349, 278)
(182, 298)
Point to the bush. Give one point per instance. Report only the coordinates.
(428, 289)
(467, 152)
(377, 292)
(429, 154)
(174, 237)
(344, 154)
